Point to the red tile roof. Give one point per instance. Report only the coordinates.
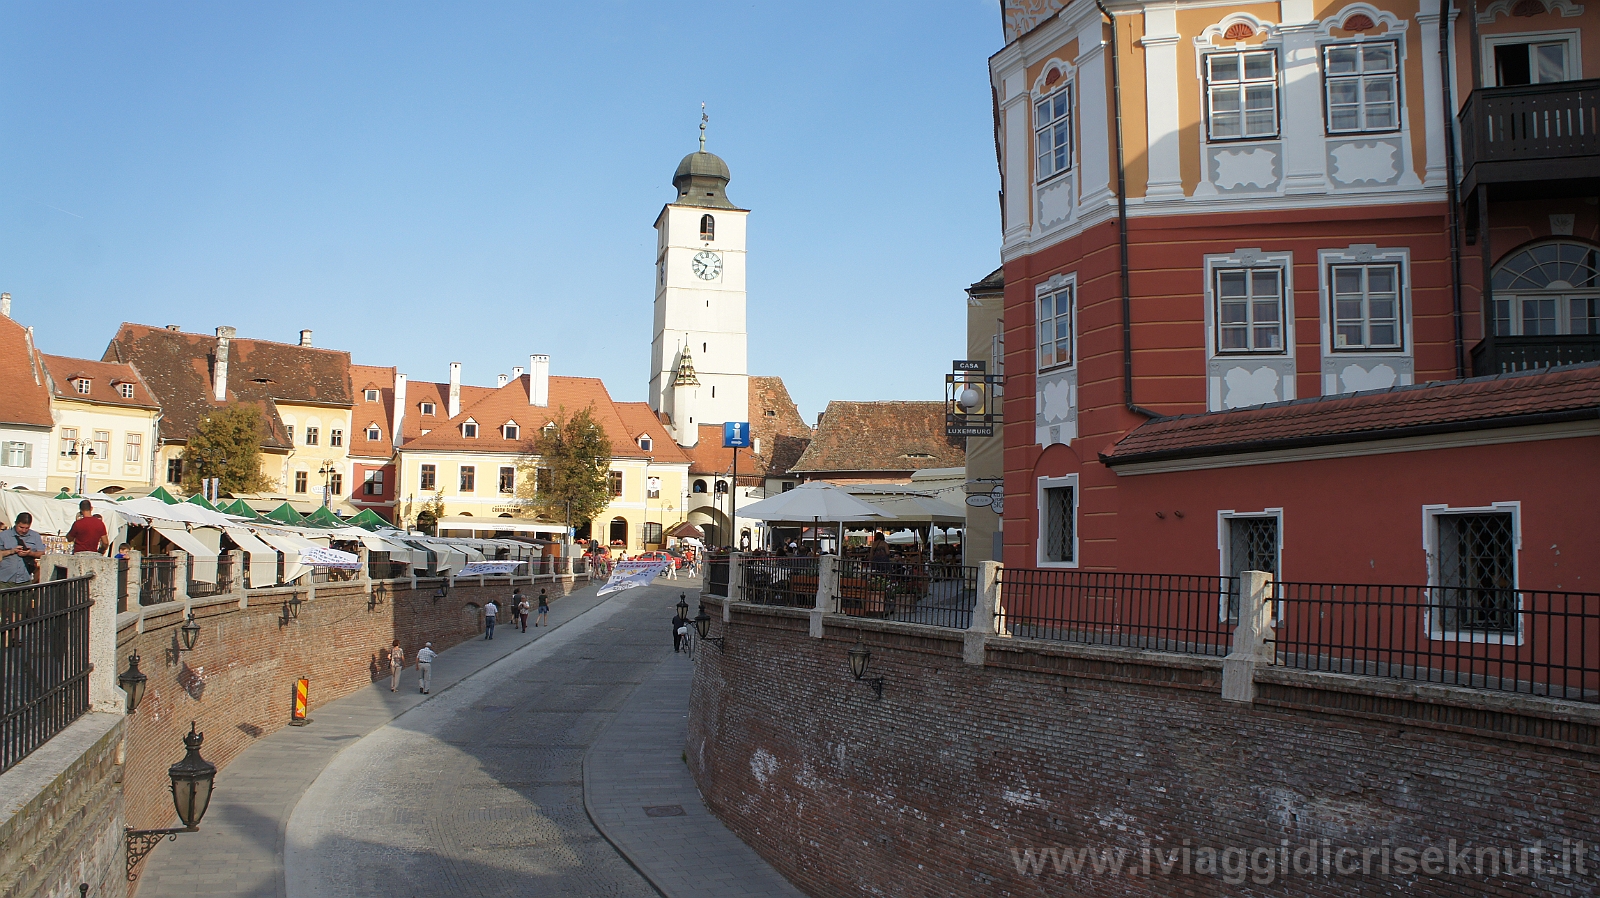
(178, 368)
(882, 437)
(639, 419)
(1507, 400)
(493, 407)
(364, 413)
(775, 426)
(24, 398)
(103, 380)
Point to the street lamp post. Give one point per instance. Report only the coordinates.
(86, 454)
(327, 471)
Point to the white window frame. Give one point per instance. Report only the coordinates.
(646, 443)
(1051, 483)
(374, 432)
(313, 435)
(500, 480)
(336, 437)
(1053, 128)
(19, 450)
(373, 477)
(1360, 79)
(125, 390)
(1249, 258)
(102, 444)
(1572, 37)
(82, 385)
(510, 431)
(133, 448)
(1358, 255)
(370, 395)
(1210, 90)
(1054, 288)
(1225, 562)
(1430, 548)
(471, 425)
(427, 408)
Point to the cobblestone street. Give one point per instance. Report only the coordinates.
(480, 791)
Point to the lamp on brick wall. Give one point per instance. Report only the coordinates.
(133, 682)
(860, 658)
(192, 779)
(189, 632)
(702, 625)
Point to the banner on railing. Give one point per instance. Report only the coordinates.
(628, 574)
(475, 568)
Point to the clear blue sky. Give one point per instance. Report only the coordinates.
(427, 183)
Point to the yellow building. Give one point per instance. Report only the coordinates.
(462, 445)
(106, 426)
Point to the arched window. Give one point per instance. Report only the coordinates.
(708, 228)
(1548, 288)
(699, 486)
(722, 486)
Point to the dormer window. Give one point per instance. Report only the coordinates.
(427, 408)
(374, 432)
(550, 428)
(469, 429)
(511, 431)
(125, 391)
(708, 227)
(371, 395)
(645, 442)
(81, 384)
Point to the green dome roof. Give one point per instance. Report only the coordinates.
(702, 164)
(702, 180)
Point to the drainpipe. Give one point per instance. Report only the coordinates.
(1122, 224)
(1452, 187)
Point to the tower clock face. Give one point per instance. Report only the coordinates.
(707, 265)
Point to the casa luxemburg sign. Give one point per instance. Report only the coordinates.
(972, 398)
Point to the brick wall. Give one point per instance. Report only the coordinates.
(238, 681)
(944, 785)
(61, 823)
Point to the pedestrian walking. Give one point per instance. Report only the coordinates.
(680, 629)
(88, 533)
(490, 610)
(425, 667)
(672, 568)
(522, 610)
(20, 551)
(544, 610)
(397, 660)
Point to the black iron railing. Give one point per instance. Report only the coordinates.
(44, 663)
(223, 582)
(1508, 354)
(1159, 612)
(914, 591)
(717, 575)
(387, 570)
(122, 585)
(1507, 640)
(157, 579)
(781, 581)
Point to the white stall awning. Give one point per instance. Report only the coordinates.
(260, 558)
(204, 569)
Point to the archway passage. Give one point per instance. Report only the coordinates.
(619, 532)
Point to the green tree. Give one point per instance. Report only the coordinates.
(226, 444)
(432, 510)
(566, 470)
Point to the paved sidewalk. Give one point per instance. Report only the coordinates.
(239, 849)
(637, 763)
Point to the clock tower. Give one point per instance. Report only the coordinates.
(699, 309)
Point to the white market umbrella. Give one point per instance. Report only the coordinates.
(813, 501)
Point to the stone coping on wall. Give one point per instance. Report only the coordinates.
(45, 785)
(1513, 716)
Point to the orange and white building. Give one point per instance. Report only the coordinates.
(1246, 212)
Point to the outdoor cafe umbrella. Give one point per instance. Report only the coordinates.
(817, 501)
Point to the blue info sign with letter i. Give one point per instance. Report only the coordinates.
(736, 435)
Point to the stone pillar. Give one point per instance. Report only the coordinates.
(180, 576)
(104, 693)
(364, 556)
(735, 584)
(982, 625)
(135, 581)
(827, 589)
(1251, 644)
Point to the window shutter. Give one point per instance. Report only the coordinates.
(27, 455)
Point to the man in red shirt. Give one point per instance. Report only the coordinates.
(88, 533)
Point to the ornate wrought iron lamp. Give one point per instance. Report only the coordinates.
(188, 633)
(860, 659)
(702, 626)
(192, 779)
(133, 681)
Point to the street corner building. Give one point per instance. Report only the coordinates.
(1311, 288)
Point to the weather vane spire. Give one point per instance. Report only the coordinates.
(703, 119)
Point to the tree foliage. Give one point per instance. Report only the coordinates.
(432, 510)
(226, 444)
(567, 464)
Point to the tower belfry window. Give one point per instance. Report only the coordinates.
(708, 228)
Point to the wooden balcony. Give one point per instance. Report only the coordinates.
(1504, 355)
(1533, 140)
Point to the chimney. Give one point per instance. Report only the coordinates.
(399, 408)
(219, 371)
(5, 305)
(539, 380)
(455, 389)
(516, 373)
(500, 380)
(305, 337)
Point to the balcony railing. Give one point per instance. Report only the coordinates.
(1531, 132)
(1506, 355)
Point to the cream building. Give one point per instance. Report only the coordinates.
(106, 426)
